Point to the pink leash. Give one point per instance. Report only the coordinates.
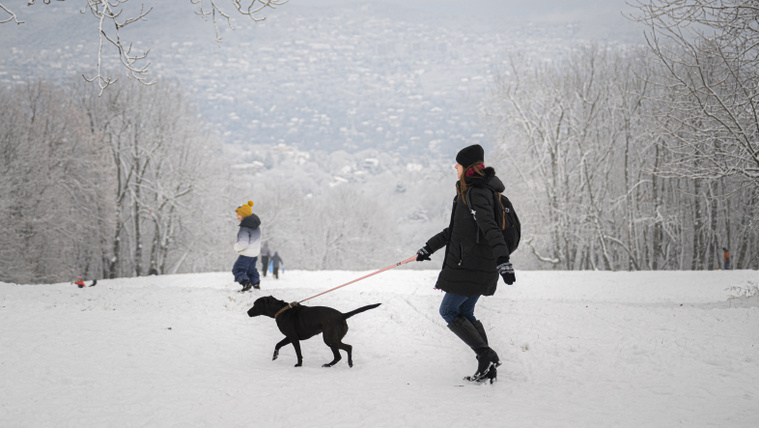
(410, 259)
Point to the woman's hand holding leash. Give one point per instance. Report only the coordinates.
(423, 254)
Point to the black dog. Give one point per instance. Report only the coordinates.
(299, 322)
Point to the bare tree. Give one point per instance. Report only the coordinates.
(597, 140)
(55, 186)
(578, 132)
(159, 153)
(579, 126)
(709, 52)
(113, 15)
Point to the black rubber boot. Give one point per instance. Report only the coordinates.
(493, 372)
(246, 285)
(486, 357)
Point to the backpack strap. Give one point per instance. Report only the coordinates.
(473, 212)
(466, 202)
(496, 203)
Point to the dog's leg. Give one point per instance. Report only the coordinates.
(279, 345)
(333, 338)
(296, 345)
(336, 346)
(336, 354)
(349, 350)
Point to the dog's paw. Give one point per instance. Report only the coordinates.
(275, 356)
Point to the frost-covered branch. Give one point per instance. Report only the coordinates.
(209, 9)
(539, 256)
(11, 16)
(109, 12)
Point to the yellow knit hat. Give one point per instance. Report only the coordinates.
(245, 210)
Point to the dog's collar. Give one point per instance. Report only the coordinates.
(291, 305)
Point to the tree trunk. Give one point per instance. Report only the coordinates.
(657, 233)
(700, 251)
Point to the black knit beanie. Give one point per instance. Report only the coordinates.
(469, 155)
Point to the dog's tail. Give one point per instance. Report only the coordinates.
(359, 310)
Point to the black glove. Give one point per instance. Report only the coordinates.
(423, 254)
(507, 272)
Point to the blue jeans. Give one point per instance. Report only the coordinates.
(454, 305)
(244, 269)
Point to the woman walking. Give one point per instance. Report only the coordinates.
(475, 255)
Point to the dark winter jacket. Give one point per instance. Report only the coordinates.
(249, 237)
(276, 260)
(265, 254)
(472, 247)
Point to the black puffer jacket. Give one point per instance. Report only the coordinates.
(472, 247)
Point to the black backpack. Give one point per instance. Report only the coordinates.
(506, 217)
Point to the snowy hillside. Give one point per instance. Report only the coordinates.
(580, 349)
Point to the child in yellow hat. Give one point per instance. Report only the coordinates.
(248, 246)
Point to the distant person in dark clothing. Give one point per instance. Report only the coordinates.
(276, 261)
(726, 258)
(265, 255)
(153, 270)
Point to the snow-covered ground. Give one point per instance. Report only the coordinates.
(579, 349)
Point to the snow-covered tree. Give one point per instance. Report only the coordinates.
(709, 56)
(56, 185)
(589, 160)
(160, 155)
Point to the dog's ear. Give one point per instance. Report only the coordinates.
(271, 303)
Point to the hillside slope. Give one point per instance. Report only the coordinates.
(578, 349)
